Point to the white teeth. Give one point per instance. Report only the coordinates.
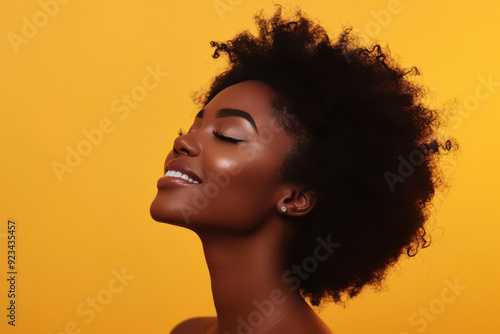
(173, 173)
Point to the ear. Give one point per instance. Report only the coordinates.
(298, 201)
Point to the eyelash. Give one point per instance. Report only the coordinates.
(217, 134)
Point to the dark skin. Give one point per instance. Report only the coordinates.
(242, 228)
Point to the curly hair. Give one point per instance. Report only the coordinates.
(365, 143)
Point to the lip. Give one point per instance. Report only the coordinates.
(167, 181)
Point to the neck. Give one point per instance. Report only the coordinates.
(246, 275)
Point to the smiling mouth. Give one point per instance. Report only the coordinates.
(177, 174)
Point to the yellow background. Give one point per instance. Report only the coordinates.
(72, 234)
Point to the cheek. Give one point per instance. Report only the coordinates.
(238, 187)
(251, 170)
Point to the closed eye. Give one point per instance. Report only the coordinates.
(225, 138)
(217, 134)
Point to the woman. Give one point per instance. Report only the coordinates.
(306, 174)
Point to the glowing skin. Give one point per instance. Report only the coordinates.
(249, 164)
(243, 231)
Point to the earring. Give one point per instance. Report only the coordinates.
(283, 208)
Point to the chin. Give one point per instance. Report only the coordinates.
(158, 211)
(166, 212)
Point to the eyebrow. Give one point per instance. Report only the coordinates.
(230, 112)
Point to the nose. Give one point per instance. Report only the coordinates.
(186, 144)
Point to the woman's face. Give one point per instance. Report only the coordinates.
(233, 175)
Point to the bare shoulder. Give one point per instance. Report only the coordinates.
(196, 325)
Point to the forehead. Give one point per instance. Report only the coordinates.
(254, 97)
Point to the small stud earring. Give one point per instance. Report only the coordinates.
(283, 208)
